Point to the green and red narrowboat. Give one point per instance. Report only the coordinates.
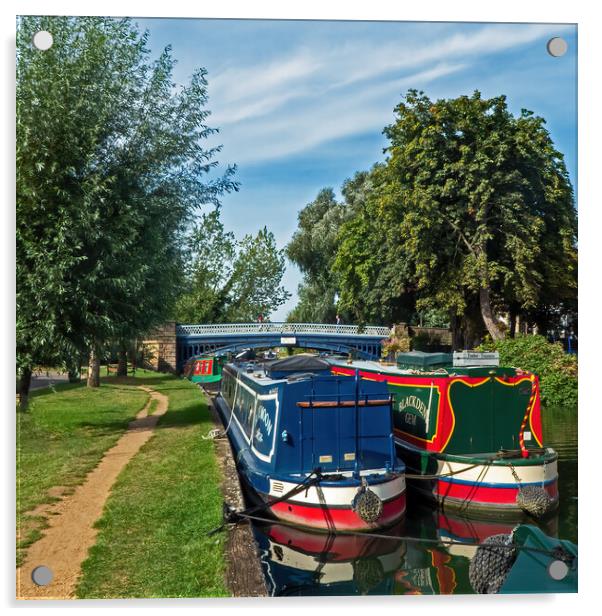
(470, 434)
(204, 369)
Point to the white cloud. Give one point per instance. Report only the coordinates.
(329, 90)
(323, 118)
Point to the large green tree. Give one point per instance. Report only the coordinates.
(110, 172)
(473, 206)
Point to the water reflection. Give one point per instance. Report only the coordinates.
(299, 562)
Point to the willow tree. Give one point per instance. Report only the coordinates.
(483, 203)
(228, 280)
(110, 172)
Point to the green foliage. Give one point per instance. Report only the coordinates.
(110, 171)
(433, 317)
(394, 345)
(373, 272)
(230, 281)
(557, 370)
(473, 206)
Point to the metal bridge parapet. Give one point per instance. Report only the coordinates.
(282, 328)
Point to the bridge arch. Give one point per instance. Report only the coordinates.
(364, 342)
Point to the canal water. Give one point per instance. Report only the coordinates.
(297, 562)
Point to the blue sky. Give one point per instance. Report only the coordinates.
(301, 105)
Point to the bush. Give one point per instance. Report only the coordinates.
(395, 345)
(556, 369)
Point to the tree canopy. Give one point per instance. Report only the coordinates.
(111, 170)
(230, 281)
(484, 203)
(471, 215)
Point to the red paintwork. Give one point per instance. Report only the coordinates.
(487, 495)
(446, 577)
(203, 366)
(476, 530)
(325, 518)
(343, 548)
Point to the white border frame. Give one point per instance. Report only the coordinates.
(590, 137)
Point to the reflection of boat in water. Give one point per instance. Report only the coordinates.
(301, 562)
(315, 449)
(440, 562)
(471, 425)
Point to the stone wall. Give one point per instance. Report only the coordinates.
(435, 333)
(160, 348)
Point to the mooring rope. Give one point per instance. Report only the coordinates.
(231, 515)
(559, 554)
(500, 455)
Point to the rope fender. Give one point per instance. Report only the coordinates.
(366, 504)
(491, 564)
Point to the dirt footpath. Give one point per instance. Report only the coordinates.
(71, 531)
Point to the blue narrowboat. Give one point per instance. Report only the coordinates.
(315, 449)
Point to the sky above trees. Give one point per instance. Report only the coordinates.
(301, 105)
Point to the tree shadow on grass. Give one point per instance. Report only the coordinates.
(54, 389)
(193, 413)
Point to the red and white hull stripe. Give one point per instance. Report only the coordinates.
(329, 508)
(490, 486)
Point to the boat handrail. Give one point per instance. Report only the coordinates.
(342, 403)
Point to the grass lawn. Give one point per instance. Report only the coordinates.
(62, 437)
(152, 535)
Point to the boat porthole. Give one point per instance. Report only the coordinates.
(290, 508)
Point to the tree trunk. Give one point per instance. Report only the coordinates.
(456, 333)
(74, 375)
(94, 369)
(490, 323)
(24, 383)
(134, 357)
(512, 331)
(122, 366)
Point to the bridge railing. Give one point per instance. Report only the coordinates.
(282, 328)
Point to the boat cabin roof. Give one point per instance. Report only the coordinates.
(391, 368)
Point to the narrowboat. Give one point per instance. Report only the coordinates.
(204, 369)
(468, 430)
(314, 449)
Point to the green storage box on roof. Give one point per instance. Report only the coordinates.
(418, 360)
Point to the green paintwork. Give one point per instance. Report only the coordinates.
(415, 409)
(488, 416)
(529, 572)
(420, 360)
